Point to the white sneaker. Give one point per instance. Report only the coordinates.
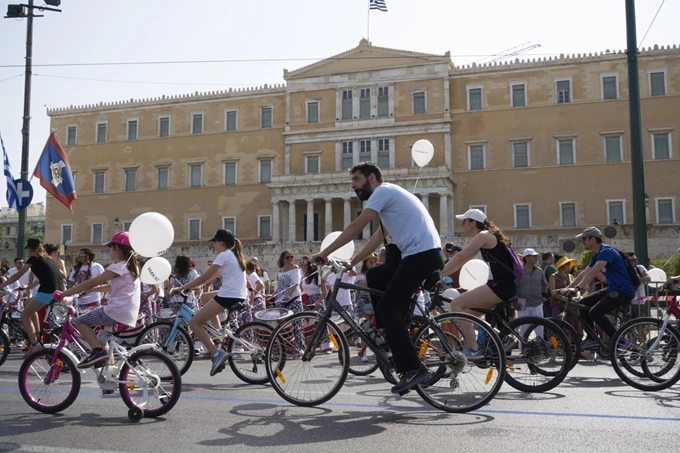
(199, 347)
(364, 358)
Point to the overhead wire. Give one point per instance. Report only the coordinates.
(650, 25)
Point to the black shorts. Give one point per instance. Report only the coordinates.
(504, 289)
(228, 302)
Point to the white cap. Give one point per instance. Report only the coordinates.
(474, 214)
(529, 252)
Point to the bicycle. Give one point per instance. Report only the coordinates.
(148, 380)
(458, 384)
(245, 347)
(11, 328)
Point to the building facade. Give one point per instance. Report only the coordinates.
(9, 227)
(543, 146)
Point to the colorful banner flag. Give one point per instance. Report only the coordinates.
(54, 172)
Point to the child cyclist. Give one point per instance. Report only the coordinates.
(231, 263)
(121, 281)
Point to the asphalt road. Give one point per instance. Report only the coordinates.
(591, 411)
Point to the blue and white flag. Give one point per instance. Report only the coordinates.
(12, 200)
(377, 4)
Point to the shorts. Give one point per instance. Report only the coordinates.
(504, 289)
(43, 298)
(96, 318)
(228, 302)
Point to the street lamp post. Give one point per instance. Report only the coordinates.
(116, 223)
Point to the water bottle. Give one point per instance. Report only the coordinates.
(373, 334)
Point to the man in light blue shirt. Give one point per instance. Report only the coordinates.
(410, 225)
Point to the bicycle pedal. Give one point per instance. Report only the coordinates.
(402, 393)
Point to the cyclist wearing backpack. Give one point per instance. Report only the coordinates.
(620, 288)
(495, 248)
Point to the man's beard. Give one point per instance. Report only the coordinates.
(365, 192)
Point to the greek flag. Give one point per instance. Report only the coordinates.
(12, 199)
(377, 4)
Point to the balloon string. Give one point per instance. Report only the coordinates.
(417, 177)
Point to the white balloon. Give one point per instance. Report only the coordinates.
(156, 271)
(422, 152)
(151, 234)
(658, 277)
(344, 253)
(473, 274)
(451, 293)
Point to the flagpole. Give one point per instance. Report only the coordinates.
(368, 23)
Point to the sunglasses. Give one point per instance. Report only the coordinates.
(290, 257)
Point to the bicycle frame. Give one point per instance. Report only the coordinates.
(576, 310)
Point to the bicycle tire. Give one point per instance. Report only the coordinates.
(358, 367)
(67, 368)
(238, 361)
(166, 399)
(646, 378)
(5, 346)
(333, 368)
(183, 351)
(537, 356)
(574, 340)
(443, 391)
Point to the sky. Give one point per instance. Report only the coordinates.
(280, 34)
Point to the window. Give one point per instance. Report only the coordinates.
(126, 226)
(347, 104)
(313, 111)
(265, 171)
(610, 88)
(383, 102)
(230, 120)
(616, 212)
(419, 105)
(563, 89)
(665, 211)
(474, 98)
(568, 214)
(71, 135)
(661, 148)
(131, 180)
(101, 132)
(162, 178)
(164, 126)
(229, 223)
(194, 229)
(347, 155)
(612, 149)
(195, 175)
(312, 164)
(264, 226)
(565, 152)
(520, 154)
(481, 207)
(519, 94)
(657, 83)
(66, 234)
(196, 123)
(364, 150)
(476, 157)
(384, 153)
(523, 216)
(97, 233)
(265, 117)
(99, 181)
(365, 103)
(132, 126)
(229, 173)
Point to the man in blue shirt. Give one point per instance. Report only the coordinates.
(619, 290)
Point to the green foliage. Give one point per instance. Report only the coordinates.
(32, 234)
(673, 268)
(586, 256)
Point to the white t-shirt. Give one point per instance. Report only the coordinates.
(23, 281)
(343, 297)
(233, 277)
(405, 218)
(253, 278)
(284, 282)
(179, 281)
(639, 298)
(124, 299)
(84, 274)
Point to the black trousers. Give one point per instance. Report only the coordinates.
(399, 283)
(603, 302)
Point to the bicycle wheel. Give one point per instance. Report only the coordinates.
(145, 376)
(574, 340)
(359, 364)
(4, 346)
(308, 379)
(45, 387)
(641, 365)
(181, 351)
(459, 384)
(541, 360)
(247, 362)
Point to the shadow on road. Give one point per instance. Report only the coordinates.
(524, 396)
(664, 398)
(592, 382)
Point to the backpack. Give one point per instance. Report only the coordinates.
(517, 267)
(630, 267)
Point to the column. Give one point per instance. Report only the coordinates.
(310, 221)
(425, 198)
(367, 229)
(291, 220)
(329, 216)
(348, 213)
(444, 215)
(287, 160)
(447, 149)
(275, 221)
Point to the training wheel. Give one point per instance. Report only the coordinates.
(135, 414)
